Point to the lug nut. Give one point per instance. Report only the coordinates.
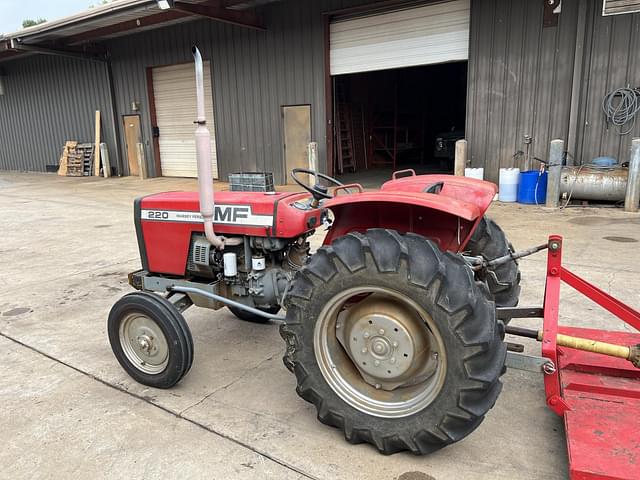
(381, 331)
(366, 335)
(364, 350)
(395, 344)
(376, 363)
(393, 360)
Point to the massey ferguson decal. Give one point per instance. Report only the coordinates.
(223, 214)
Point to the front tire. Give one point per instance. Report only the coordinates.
(420, 302)
(150, 339)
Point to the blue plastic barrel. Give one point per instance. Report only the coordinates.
(533, 187)
(604, 161)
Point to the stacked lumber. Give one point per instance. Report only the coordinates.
(76, 159)
(87, 153)
(82, 159)
(68, 149)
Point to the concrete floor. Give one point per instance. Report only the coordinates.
(67, 409)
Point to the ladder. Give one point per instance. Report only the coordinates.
(344, 133)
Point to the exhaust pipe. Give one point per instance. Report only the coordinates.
(203, 156)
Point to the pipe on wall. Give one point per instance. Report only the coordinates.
(114, 118)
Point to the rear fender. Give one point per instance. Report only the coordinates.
(464, 189)
(446, 221)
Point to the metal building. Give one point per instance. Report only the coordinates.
(283, 73)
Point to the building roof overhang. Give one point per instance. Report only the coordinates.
(77, 34)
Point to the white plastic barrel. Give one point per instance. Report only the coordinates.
(508, 184)
(474, 173)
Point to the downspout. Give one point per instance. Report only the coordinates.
(577, 82)
(114, 116)
(203, 156)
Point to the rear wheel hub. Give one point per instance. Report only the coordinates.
(386, 343)
(380, 352)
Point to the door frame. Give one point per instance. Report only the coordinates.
(153, 119)
(377, 7)
(154, 122)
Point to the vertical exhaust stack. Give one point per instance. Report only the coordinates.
(203, 155)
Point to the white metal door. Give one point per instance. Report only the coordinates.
(174, 89)
(429, 34)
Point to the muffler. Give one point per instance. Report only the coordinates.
(203, 156)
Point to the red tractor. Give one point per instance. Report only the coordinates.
(390, 326)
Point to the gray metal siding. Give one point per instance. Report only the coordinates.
(612, 51)
(254, 73)
(519, 80)
(49, 100)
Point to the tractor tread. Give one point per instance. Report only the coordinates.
(389, 256)
(490, 241)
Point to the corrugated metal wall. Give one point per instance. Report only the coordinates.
(612, 60)
(49, 100)
(254, 73)
(520, 78)
(520, 82)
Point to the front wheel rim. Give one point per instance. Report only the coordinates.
(358, 385)
(143, 343)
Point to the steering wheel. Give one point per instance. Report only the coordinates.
(318, 191)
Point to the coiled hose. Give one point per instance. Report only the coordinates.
(622, 111)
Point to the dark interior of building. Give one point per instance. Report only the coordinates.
(395, 119)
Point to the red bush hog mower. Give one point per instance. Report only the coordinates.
(391, 326)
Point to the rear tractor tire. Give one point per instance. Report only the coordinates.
(490, 241)
(151, 339)
(393, 341)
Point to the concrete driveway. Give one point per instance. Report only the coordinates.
(67, 409)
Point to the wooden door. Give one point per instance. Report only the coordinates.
(132, 137)
(297, 135)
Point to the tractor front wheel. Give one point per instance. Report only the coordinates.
(151, 339)
(393, 341)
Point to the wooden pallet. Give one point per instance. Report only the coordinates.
(76, 159)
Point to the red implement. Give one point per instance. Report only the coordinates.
(598, 396)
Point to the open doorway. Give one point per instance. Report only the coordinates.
(396, 119)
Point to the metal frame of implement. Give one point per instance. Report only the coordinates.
(592, 377)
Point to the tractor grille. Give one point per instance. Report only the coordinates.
(201, 253)
(200, 249)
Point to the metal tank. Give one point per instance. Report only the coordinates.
(590, 183)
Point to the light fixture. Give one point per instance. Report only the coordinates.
(165, 4)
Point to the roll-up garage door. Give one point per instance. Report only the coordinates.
(424, 35)
(174, 89)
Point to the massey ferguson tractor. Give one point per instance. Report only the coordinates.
(395, 327)
(390, 326)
